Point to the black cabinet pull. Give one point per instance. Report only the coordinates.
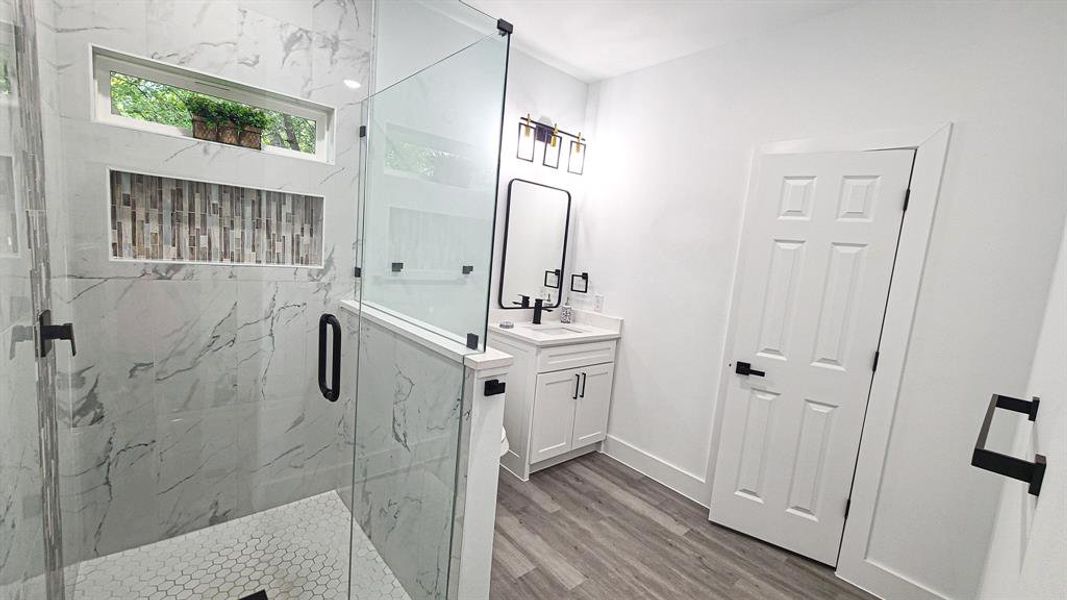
(744, 368)
(333, 391)
(585, 377)
(577, 380)
(1032, 473)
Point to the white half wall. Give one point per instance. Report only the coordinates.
(1029, 549)
(659, 229)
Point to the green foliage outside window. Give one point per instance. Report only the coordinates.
(147, 100)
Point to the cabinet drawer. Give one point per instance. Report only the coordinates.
(577, 355)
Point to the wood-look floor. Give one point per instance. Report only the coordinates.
(592, 528)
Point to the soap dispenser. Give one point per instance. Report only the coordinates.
(566, 314)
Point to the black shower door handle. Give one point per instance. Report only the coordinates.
(332, 391)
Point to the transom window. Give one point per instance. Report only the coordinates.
(148, 95)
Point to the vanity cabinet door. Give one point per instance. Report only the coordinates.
(553, 414)
(594, 401)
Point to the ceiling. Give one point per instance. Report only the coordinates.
(598, 39)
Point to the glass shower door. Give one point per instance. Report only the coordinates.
(22, 559)
(28, 509)
(429, 199)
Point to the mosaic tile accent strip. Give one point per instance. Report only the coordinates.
(298, 551)
(167, 219)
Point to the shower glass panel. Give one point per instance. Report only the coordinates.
(430, 192)
(22, 527)
(429, 198)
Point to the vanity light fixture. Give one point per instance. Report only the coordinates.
(576, 159)
(537, 137)
(552, 149)
(524, 149)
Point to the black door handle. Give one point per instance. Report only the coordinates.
(585, 377)
(744, 368)
(577, 380)
(333, 391)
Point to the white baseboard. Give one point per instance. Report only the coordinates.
(681, 481)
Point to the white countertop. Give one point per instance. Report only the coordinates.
(554, 333)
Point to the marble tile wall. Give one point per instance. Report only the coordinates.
(193, 398)
(178, 220)
(406, 447)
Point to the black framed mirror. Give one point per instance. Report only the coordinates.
(535, 244)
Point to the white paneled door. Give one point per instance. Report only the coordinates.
(816, 260)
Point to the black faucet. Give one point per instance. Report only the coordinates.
(539, 307)
(525, 301)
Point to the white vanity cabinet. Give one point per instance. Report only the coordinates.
(558, 396)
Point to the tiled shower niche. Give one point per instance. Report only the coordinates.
(178, 220)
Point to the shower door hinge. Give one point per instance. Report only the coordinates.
(907, 198)
(362, 131)
(359, 272)
(472, 341)
(504, 27)
(874, 365)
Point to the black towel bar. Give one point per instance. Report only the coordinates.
(1002, 464)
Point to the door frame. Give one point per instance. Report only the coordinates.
(931, 149)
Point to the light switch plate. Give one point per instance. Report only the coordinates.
(598, 303)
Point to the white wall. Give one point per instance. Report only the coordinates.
(543, 92)
(1028, 552)
(658, 232)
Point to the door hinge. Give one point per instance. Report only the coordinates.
(874, 365)
(907, 199)
(848, 506)
(362, 131)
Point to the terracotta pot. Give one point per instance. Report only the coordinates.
(251, 137)
(228, 133)
(204, 130)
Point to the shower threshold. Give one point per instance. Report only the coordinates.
(296, 551)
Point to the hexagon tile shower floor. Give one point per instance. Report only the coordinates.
(293, 552)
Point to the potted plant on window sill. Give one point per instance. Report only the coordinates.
(204, 113)
(229, 119)
(252, 122)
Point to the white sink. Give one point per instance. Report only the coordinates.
(555, 329)
(555, 333)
